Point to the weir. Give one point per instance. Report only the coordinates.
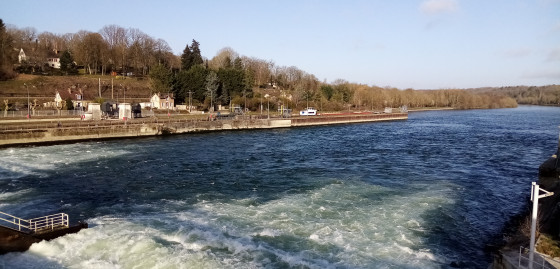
(104, 129)
(17, 234)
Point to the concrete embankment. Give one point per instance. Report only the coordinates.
(12, 240)
(95, 130)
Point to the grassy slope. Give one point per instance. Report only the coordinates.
(44, 88)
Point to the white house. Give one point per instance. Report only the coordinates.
(54, 62)
(21, 56)
(162, 101)
(76, 97)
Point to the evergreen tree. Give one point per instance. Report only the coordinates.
(233, 81)
(186, 58)
(192, 80)
(67, 63)
(195, 53)
(6, 49)
(69, 105)
(161, 79)
(191, 56)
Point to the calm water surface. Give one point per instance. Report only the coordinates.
(421, 193)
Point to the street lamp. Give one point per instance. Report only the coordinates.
(267, 105)
(27, 88)
(535, 198)
(167, 102)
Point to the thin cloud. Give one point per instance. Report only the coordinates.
(432, 7)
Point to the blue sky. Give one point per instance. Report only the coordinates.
(420, 44)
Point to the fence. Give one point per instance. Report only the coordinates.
(40, 113)
(539, 262)
(44, 223)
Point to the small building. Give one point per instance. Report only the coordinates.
(22, 57)
(93, 112)
(162, 101)
(54, 62)
(109, 109)
(60, 98)
(136, 111)
(125, 111)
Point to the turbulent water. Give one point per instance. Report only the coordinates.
(422, 193)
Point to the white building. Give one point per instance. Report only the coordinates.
(54, 62)
(94, 112)
(162, 101)
(125, 111)
(21, 56)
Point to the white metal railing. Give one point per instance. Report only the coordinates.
(50, 222)
(538, 263)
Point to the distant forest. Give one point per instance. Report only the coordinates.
(227, 78)
(528, 95)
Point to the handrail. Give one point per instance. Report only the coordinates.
(523, 260)
(37, 224)
(15, 221)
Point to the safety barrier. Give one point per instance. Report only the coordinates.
(35, 225)
(538, 263)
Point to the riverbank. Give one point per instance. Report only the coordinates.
(52, 132)
(547, 245)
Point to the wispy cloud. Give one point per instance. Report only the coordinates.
(432, 7)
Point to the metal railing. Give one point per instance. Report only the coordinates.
(40, 224)
(538, 263)
(40, 113)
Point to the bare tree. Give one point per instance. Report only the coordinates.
(223, 58)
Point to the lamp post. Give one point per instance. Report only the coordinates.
(535, 198)
(267, 105)
(27, 88)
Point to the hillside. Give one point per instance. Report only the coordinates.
(43, 88)
(528, 95)
(325, 97)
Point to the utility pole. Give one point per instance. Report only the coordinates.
(112, 97)
(190, 101)
(28, 115)
(99, 87)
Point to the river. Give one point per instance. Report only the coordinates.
(423, 193)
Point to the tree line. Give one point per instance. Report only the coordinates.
(528, 95)
(227, 78)
(113, 48)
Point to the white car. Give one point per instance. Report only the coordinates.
(308, 112)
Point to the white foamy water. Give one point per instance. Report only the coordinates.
(41, 161)
(337, 226)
